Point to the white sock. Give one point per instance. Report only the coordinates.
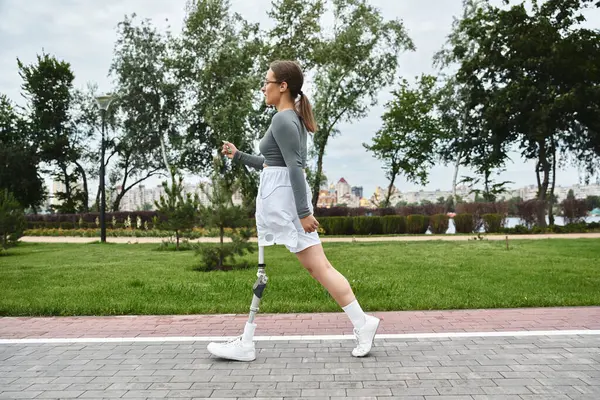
(356, 314)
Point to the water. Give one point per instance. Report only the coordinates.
(513, 221)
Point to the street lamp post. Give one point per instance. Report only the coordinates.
(103, 103)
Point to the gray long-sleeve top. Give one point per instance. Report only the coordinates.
(284, 145)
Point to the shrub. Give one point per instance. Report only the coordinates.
(337, 225)
(573, 210)
(181, 211)
(367, 225)
(221, 214)
(464, 223)
(521, 229)
(66, 225)
(528, 211)
(479, 209)
(91, 219)
(493, 222)
(439, 223)
(417, 224)
(393, 225)
(12, 220)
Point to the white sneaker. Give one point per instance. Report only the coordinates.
(234, 349)
(365, 335)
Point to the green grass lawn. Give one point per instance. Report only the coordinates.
(113, 279)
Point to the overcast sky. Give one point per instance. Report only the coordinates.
(83, 32)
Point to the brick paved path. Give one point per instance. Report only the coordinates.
(477, 367)
(531, 319)
(507, 368)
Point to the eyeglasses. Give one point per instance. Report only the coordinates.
(265, 83)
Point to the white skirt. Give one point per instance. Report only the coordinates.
(277, 220)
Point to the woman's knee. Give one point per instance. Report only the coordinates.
(318, 269)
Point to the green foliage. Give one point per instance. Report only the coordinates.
(532, 79)
(353, 66)
(528, 211)
(464, 223)
(417, 224)
(367, 225)
(393, 224)
(12, 220)
(337, 225)
(220, 62)
(48, 87)
(406, 142)
(178, 213)
(573, 210)
(18, 158)
(493, 223)
(439, 223)
(592, 202)
(221, 213)
(149, 100)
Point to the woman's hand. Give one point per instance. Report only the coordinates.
(309, 223)
(228, 149)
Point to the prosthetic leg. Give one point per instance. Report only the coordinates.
(242, 347)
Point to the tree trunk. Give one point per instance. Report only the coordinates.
(552, 198)
(317, 184)
(67, 183)
(386, 202)
(124, 190)
(454, 178)
(86, 207)
(542, 167)
(177, 238)
(164, 155)
(221, 235)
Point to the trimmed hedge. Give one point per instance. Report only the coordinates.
(493, 222)
(464, 223)
(393, 225)
(439, 223)
(417, 224)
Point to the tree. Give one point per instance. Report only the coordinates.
(353, 66)
(592, 202)
(86, 125)
(491, 190)
(450, 204)
(221, 213)
(19, 160)
(406, 143)
(48, 87)
(531, 78)
(149, 98)
(297, 33)
(219, 63)
(178, 213)
(12, 220)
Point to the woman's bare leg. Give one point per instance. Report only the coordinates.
(313, 259)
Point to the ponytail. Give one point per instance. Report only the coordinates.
(304, 109)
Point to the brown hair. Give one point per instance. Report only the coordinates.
(291, 73)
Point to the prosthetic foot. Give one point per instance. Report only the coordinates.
(241, 348)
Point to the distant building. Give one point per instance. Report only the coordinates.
(342, 188)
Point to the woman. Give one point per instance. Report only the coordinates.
(284, 212)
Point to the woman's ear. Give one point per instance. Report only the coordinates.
(283, 87)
